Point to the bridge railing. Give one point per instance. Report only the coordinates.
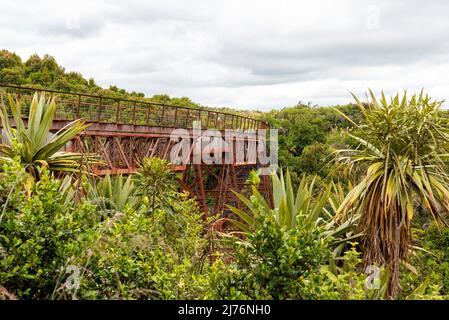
(103, 109)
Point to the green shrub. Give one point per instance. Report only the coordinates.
(143, 257)
(348, 281)
(273, 262)
(47, 244)
(314, 159)
(38, 234)
(431, 263)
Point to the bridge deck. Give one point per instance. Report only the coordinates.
(119, 111)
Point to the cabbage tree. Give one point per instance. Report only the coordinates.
(402, 153)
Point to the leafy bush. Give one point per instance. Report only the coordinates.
(46, 239)
(142, 257)
(38, 234)
(347, 282)
(431, 262)
(279, 263)
(314, 159)
(273, 262)
(156, 184)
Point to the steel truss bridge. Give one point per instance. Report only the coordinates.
(123, 131)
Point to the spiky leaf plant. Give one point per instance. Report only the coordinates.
(155, 182)
(34, 143)
(403, 146)
(313, 209)
(111, 194)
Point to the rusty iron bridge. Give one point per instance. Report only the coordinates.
(123, 131)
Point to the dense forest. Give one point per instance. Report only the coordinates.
(362, 185)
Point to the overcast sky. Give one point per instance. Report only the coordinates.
(245, 54)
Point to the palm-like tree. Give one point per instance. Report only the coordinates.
(403, 145)
(33, 143)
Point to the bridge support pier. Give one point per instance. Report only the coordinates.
(213, 185)
(123, 132)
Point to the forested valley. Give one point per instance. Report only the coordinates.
(362, 189)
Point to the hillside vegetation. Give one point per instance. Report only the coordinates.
(363, 194)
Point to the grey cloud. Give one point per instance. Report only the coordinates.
(247, 54)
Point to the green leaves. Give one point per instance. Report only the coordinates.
(307, 207)
(156, 183)
(112, 193)
(402, 148)
(39, 231)
(273, 262)
(127, 255)
(34, 143)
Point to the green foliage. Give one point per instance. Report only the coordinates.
(314, 159)
(155, 183)
(9, 59)
(313, 209)
(13, 75)
(111, 194)
(139, 257)
(126, 256)
(10, 68)
(34, 143)
(347, 282)
(38, 234)
(292, 251)
(279, 263)
(308, 135)
(431, 262)
(402, 153)
(273, 262)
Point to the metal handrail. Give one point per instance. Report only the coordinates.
(137, 112)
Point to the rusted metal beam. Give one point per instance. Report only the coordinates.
(122, 142)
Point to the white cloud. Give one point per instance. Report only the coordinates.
(247, 54)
